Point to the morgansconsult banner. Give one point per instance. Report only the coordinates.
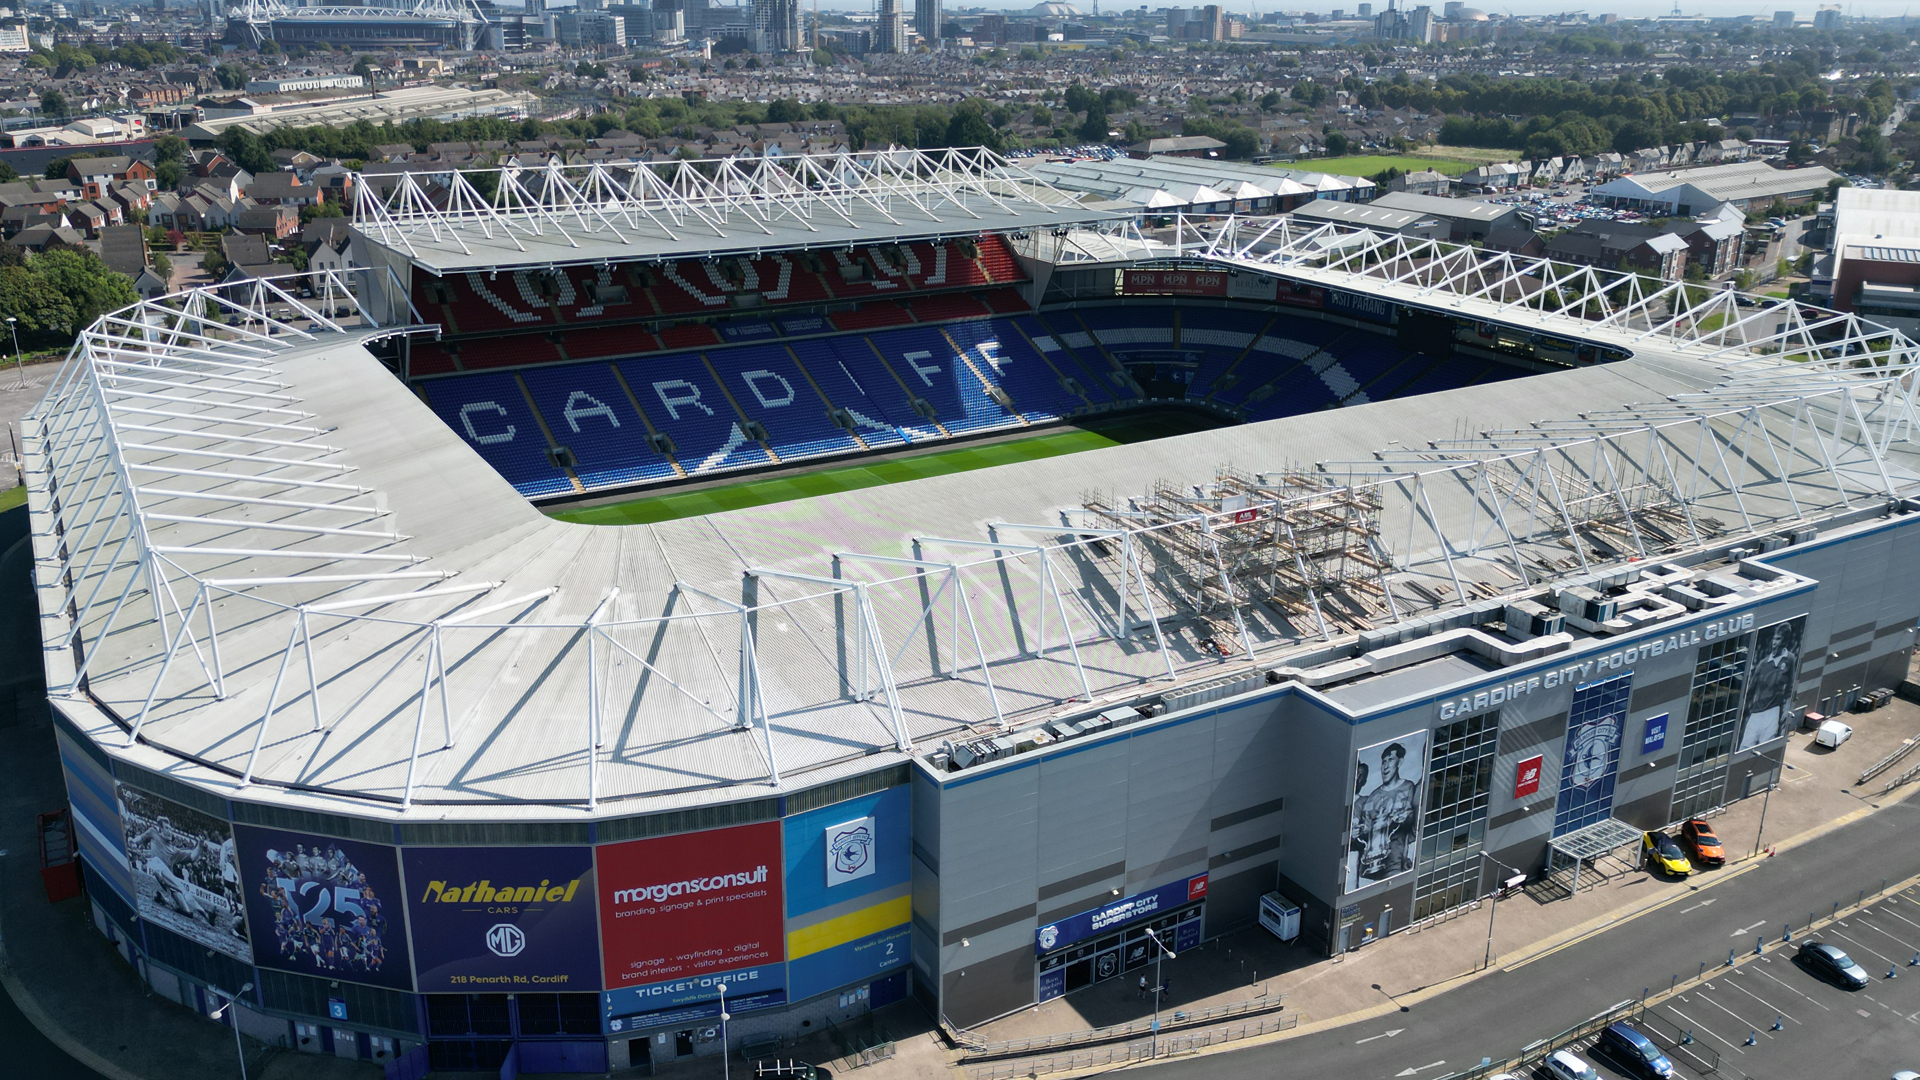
(680, 915)
(503, 918)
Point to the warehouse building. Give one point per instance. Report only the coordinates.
(1748, 185)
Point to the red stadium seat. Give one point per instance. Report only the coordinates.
(689, 336)
(950, 306)
(869, 316)
(998, 261)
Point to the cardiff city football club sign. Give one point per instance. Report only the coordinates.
(849, 851)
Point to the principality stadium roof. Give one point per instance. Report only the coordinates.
(559, 214)
(265, 567)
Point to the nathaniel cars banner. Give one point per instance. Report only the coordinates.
(681, 915)
(325, 907)
(503, 918)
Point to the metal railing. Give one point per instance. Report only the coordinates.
(1888, 762)
(1168, 1045)
(980, 1049)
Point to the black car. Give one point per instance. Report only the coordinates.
(1831, 963)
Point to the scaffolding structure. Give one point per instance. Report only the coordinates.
(1295, 540)
(1606, 520)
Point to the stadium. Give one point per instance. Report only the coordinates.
(593, 602)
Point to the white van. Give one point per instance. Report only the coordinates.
(1831, 733)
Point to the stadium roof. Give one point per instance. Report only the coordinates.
(279, 571)
(393, 106)
(560, 214)
(1439, 206)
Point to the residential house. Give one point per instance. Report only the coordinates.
(95, 175)
(1498, 176)
(40, 237)
(123, 248)
(328, 242)
(1617, 245)
(275, 222)
(1422, 182)
(334, 181)
(244, 250)
(281, 189)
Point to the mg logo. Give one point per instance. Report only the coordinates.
(505, 939)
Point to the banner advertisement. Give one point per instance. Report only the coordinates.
(1360, 306)
(848, 892)
(325, 907)
(681, 915)
(1387, 777)
(185, 875)
(1590, 762)
(95, 802)
(1173, 282)
(1776, 664)
(1253, 287)
(503, 918)
(1086, 924)
(1526, 776)
(1295, 294)
(1653, 737)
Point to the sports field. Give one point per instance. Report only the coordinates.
(1091, 435)
(1369, 164)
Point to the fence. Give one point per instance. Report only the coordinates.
(1168, 1045)
(977, 1049)
(1679, 1043)
(1888, 762)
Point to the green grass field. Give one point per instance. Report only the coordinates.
(13, 496)
(1094, 435)
(1372, 163)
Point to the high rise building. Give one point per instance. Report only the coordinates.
(776, 26)
(1366, 11)
(890, 36)
(1828, 17)
(1783, 20)
(926, 20)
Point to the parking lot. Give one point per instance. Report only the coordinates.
(1799, 1024)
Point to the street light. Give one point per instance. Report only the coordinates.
(1158, 985)
(232, 999)
(1491, 906)
(725, 1068)
(1764, 800)
(19, 367)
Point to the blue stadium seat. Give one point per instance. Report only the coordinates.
(590, 414)
(845, 391)
(681, 398)
(925, 361)
(769, 388)
(855, 359)
(1092, 369)
(1002, 354)
(491, 414)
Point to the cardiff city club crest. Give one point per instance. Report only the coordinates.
(849, 851)
(1049, 937)
(1592, 751)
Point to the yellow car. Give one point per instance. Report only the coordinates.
(1663, 855)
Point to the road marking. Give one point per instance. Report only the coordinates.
(1864, 1013)
(1382, 1035)
(1903, 944)
(1420, 1068)
(1862, 945)
(1699, 905)
(1743, 931)
(1791, 989)
(1904, 919)
(1692, 1024)
(1760, 999)
(1736, 1016)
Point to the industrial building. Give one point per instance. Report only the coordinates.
(456, 784)
(1748, 185)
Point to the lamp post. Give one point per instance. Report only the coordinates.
(725, 1066)
(1162, 952)
(1492, 905)
(1764, 800)
(232, 999)
(19, 366)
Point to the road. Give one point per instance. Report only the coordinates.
(1497, 1015)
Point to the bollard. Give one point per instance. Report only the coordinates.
(1893, 972)
(1915, 962)
(1671, 983)
(1759, 943)
(1788, 936)
(1752, 1037)
(1729, 957)
(1776, 1021)
(1703, 969)
(1687, 1039)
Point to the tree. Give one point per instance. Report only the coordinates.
(231, 76)
(214, 262)
(169, 174)
(53, 103)
(785, 111)
(269, 47)
(1094, 128)
(93, 289)
(162, 267)
(1337, 144)
(169, 148)
(7, 173)
(245, 149)
(325, 209)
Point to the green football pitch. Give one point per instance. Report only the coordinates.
(1089, 435)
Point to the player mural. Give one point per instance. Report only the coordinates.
(185, 875)
(1776, 662)
(324, 906)
(1386, 809)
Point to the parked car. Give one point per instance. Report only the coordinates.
(1631, 1049)
(1565, 1065)
(1832, 963)
(1663, 855)
(1701, 844)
